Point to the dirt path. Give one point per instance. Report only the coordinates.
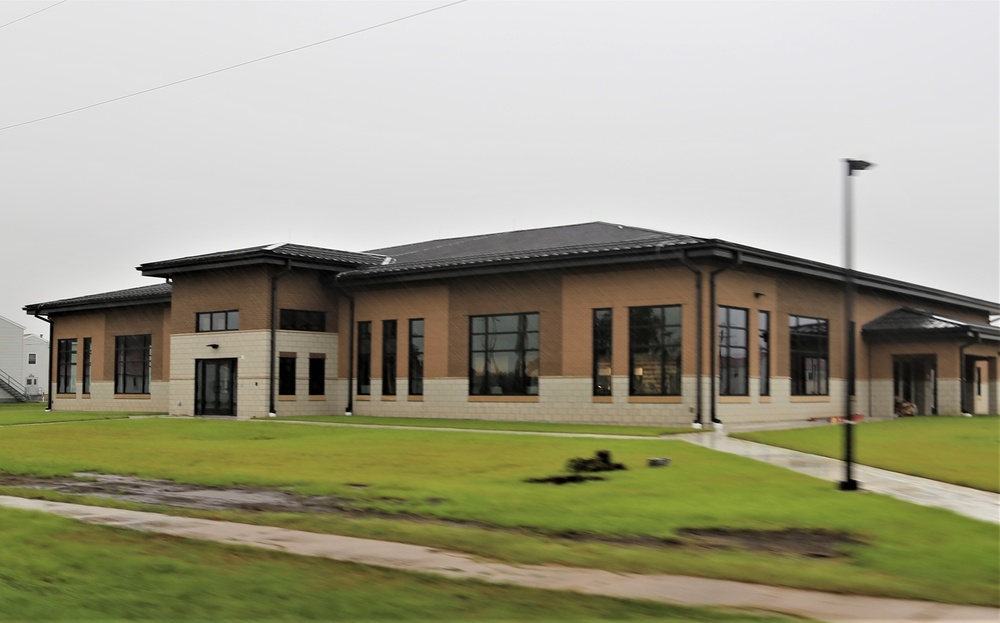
(665, 588)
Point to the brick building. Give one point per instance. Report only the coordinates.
(583, 323)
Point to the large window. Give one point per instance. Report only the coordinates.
(389, 357)
(764, 351)
(133, 361)
(504, 356)
(602, 352)
(87, 358)
(317, 374)
(733, 351)
(416, 357)
(286, 374)
(365, 358)
(218, 320)
(302, 320)
(654, 350)
(66, 367)
(809, 355)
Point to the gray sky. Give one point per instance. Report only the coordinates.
(716, 119)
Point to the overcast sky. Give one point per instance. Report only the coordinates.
(715, 119)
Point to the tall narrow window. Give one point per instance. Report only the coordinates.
(317, 374)
(809, 355)
(133, 360)
(504, 355)
(31, 358)
(388, 357)
(66, 367)
(365, 358)
(654, 345)
(764, 350)
(86, 364)
(602, 352)
(416, 357)
(733, 350)
(286, 374)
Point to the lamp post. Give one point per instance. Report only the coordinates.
(849, 483)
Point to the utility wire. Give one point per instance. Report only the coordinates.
(219, 71)
(35, 13)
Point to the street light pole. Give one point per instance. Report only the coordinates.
(849, 483)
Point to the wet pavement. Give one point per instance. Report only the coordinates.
(982, 505)
(664, 588)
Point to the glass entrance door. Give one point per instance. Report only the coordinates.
(215, 387)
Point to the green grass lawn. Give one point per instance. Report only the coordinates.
(476, 482)
(542, 427)
(34, 413)
(960, 450)
(57, 569)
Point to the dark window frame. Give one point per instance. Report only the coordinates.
(390, 348)
(734, 377)
(87, 361)
(764, 352)
(133, 360)
(415, 357)
(602, 328)
(662, 343)
(809, 355)
(364, 382)
(286, 375)
(32, 359)
(317, 374)
(66, 366)
(490, 341)
(223, 320)
(302, 320)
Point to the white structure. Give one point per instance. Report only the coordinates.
(24, 363)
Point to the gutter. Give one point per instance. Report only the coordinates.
(699, 357)
(274, 335)
(48, 406)
(738, 260)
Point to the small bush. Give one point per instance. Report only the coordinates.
(600, 462)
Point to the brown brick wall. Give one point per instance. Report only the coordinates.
(246, 289)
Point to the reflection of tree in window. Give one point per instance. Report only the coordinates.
(655, 350)
(504, 355)
(733, 351)
(809, 355)
(602, 352)
(133, 360)
(416, 357)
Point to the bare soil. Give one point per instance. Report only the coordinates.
(800, 542)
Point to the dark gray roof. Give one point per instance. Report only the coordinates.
(918, 322)
(521, 246)
(267, 254)
(144, 295)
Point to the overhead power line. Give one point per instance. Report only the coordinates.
(219, 71)
(35, 13)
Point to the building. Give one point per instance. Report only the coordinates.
(24, 362)
(593, 322)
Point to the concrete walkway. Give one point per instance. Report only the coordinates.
(982, 505)
(414, 558)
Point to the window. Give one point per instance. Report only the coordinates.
(416, 358)
(132, 363)
(286, 374)
(365, 358)
(300, 320)
(602, 352)
(764, 351)
(654, 350)
(388, 357)
(317, 374)
(66, 367)
(809, 354)
(733, 351)
(504, 356)
(31, 358)
(86, 364)
(218, 321)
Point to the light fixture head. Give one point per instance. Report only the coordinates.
(213, 345)
(857, 165)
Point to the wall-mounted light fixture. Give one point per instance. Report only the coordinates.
(757, 295)
(213, 345)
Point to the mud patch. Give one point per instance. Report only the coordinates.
(562, 480)
(801, 542)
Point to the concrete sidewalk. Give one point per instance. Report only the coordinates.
(982, 505)
(665, 588)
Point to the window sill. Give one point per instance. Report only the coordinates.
(734, 400)
(66, 396)
(287, 398)
(363, 398)
(414, 398)
(388, 398)
(503, 398)
(602, 399)
(809, 399)
(132, 396)
(655, 399)
(314, 397)
(764, 400)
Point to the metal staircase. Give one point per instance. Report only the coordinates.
(11, 385)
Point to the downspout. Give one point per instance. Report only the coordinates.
(350, 347)
(713, 323)
(961, 371)
(699, 357)
(272, 412)
(48, 406)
